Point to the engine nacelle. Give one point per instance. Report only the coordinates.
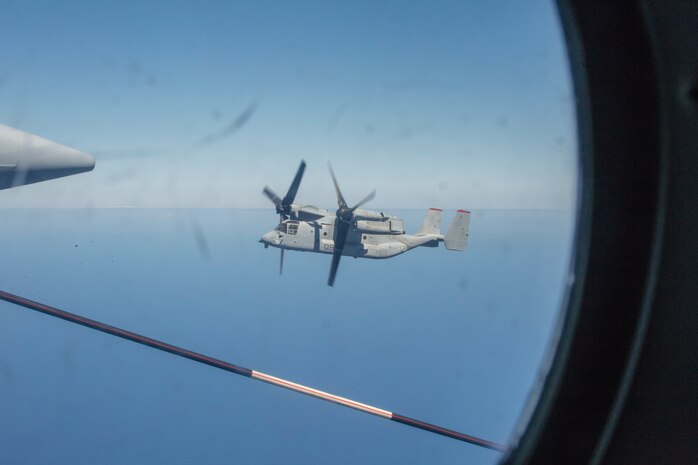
(369, 215)
(390, 226)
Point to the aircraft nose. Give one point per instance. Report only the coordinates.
(271, 238)
(266, 238)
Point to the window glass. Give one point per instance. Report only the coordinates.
(190, 110)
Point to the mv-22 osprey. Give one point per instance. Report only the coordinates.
(353, 231)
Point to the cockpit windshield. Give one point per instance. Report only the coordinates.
(281, 227)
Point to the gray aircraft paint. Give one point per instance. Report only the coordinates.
(353, 231)
(27, 159)
(372, 235)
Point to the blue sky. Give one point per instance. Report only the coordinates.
(449, 104)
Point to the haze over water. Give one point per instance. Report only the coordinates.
(455, 339)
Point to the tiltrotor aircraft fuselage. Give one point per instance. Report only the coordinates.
(355, 232)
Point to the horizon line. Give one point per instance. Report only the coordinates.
(180, 207)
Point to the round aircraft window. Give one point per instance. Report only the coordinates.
(433, 143)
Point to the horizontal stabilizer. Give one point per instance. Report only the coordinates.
(431, 223)
(456, 237)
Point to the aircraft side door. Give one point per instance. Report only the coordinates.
(326, 243)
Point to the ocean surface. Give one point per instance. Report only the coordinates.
(451, 338)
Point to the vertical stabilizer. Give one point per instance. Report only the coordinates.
(456, 237)
(431, 223)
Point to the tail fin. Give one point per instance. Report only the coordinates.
(456, 237)
(431, 223)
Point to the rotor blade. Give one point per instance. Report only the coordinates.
(340, 237)
(281, 264)
(291, 194)
(340, 197)
(333, 268)
(366, 199)
(272, 196)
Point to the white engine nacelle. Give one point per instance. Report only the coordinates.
(391, 226)
(369, 215)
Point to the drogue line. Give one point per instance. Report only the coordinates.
(220, 364)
